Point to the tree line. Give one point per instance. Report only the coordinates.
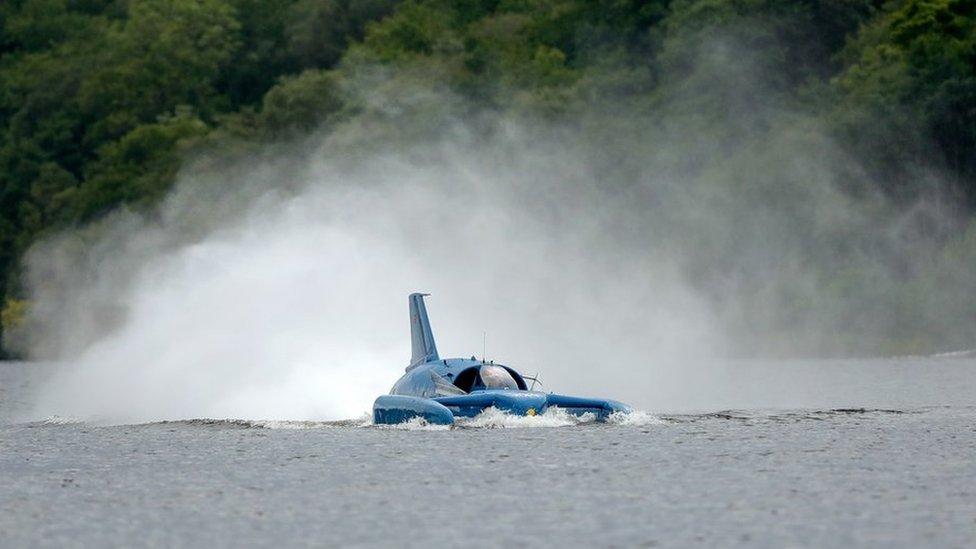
(102, 101)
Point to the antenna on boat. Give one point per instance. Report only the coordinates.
(484, 346)
(534, 379)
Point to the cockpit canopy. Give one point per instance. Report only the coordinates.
(489, 376)
(496, 377)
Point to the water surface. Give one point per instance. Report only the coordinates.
(892, 469)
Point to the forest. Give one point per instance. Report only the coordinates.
(104, 102)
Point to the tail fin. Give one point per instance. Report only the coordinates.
(421, 338)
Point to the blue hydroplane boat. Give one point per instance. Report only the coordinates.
(442, 389)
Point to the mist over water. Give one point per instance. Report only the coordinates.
(297, 307)
(616, 253)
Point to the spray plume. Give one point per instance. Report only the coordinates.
(614, 251)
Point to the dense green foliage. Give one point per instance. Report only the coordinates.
(101, 100)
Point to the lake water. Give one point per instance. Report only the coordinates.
(875, 454)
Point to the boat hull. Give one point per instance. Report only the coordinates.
(393, 409)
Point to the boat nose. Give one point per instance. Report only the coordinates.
(523, 403)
